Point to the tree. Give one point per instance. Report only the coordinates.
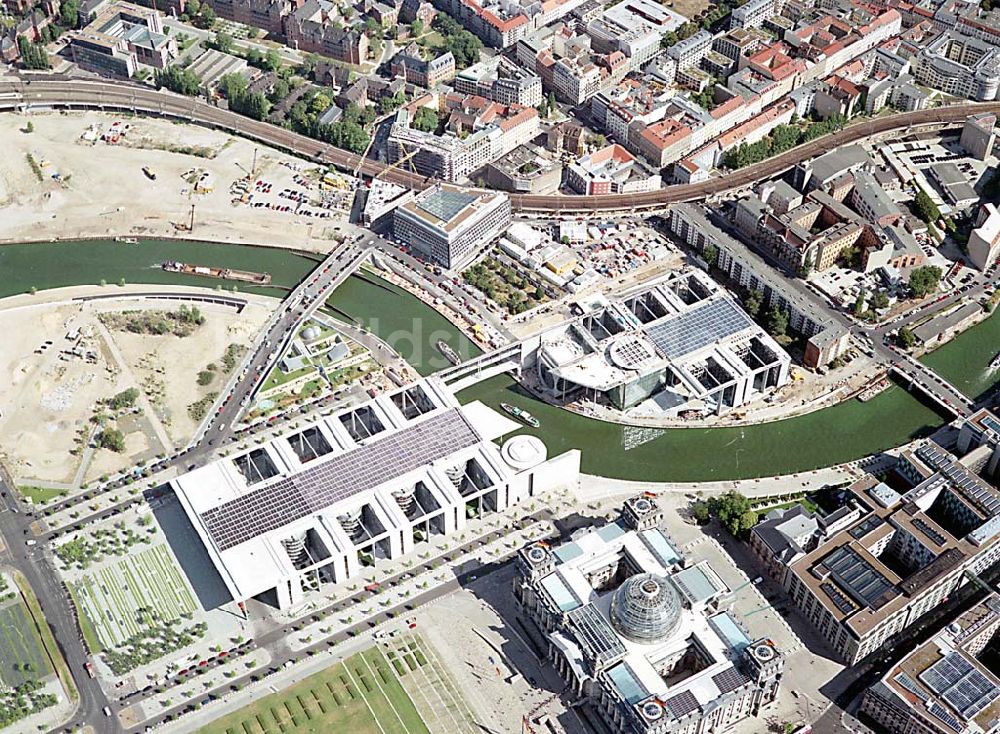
(272, 60)
(124, 399)
(223, 42)
(711, 254)
(204, 18)
(319, 104)
(279, 91)
(465, 47)
(182, 81)
(733, 511)
(69, 14)
(701, 511)
(425, 120)
(924, 280)
(255, 57)
(344, 134)
(906, 338)
(33, 55)
(112, 439)
(777, 321)
(552, 103)
(926, 208)
(233, 85)
(807, 266)
(417, 27)
(29, 127)
(880, 300)
(859, 302)
(389, 103)
(753, 303)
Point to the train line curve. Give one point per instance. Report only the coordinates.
(18, 93)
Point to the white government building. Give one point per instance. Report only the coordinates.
(680, 342)
(319, 502)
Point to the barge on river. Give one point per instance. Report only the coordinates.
(245, 276)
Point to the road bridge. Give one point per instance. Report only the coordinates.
(53, 92)
(919, 376)
(275, 338)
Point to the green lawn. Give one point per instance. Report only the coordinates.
(20, 646)
(277, 377)
(40, 495)
(361, 695)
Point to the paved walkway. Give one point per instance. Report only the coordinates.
(594, 488)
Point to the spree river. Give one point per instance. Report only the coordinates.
(829, 436)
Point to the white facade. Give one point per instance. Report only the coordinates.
(318, 503)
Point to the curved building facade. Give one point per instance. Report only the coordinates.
(961, 66)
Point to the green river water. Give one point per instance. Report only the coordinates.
(829, 436)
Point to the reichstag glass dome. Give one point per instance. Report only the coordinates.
(646, 608)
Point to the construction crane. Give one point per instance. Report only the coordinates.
(398, 163)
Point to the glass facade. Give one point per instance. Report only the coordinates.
(646, 608)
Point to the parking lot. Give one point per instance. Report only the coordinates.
(297, 190)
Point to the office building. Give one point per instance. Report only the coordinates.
(979, 135)
(119, 38)
(475, 133)
(954, 184)
(320, 502)
(499, 79)
(753, 13)
(411, 65)
(525, 170)
(268, 15)
(610, 170)
(943, 686)
(827, 339)
(636, 632)
(317, 27)
(961, 66)
(504, 23)
(635, 28)
(681, 342)
(451, 226)
(984, 240)
(902, 553)
(689, 52)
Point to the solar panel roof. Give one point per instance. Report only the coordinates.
(681, 704)
(702, 325)
(858, 577)
(595, 633)
(337, 478)
(445, 204)
(967, 483)
(729, 680)
(960, 684)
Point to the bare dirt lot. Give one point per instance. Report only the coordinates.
(54, 183)
(62, 360)
(46, 399)
(167, 367)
